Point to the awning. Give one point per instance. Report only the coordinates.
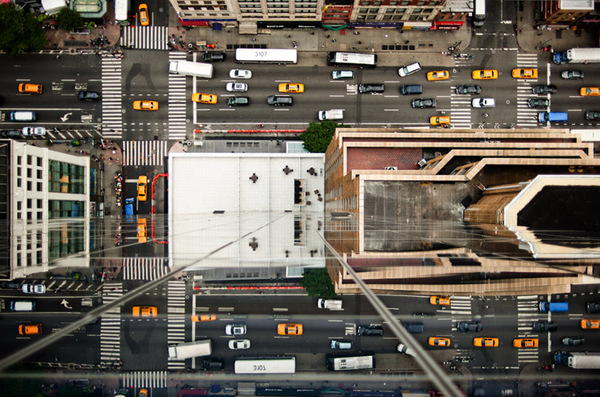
(248, 27)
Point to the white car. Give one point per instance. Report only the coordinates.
(235, 329)
(34, 131)
(236, 87)
(240, 74)
(483, 103)
(239, 344)
(34, 288)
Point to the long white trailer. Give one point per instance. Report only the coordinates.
(265, 365)
(198, 69)
(577, 55)
(188, 350)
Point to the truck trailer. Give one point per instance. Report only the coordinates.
(188, 350)
(578, 360)
(577, 55)
(198, 69)
(331, 304)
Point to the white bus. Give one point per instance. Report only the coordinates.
(265, 55)
(121, 10)
(265, 365)
(349, 363)
(351, 59)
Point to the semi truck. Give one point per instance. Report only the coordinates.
(578, 360)
(188, 350)
(198, 69)
(331, 304)
(577, 55)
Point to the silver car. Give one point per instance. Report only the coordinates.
(235, 329)
(34, 288)
(239, 344)
(240, 74)
(236, 87)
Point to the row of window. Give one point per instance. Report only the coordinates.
(374, 10)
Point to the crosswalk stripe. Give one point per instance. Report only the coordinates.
(177, 102)
(145, 37)
(112, 116)
(144, 379)
(144, 268)
(110, 324)
(144, 152)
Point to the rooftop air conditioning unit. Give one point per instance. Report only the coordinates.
(422, 163)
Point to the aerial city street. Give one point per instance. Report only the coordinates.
(162, 217)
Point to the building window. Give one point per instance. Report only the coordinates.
(66, 178)
(65, 209)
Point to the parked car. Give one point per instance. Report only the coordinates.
(469, 326)
(592, 307)
(544, 326)
(236, 87)
(422, 103)
(10, 134)
(37, 132)
(571, 74)
(468, 89)
(423, 314)
(568, 341)
(235, 329)
(210, 364)
(240, 74)
(439, 120)
(592, 115)
(371, 88)
(341, 344)
(239, 344)
(538, 103)
(213, 57)
(544, 89)
(369, 330)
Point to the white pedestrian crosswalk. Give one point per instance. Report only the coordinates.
(144, 379)
(150, 153)
(110, 325)
(526, 116)
(527, 313)
(144, 268)
(461, 306)
(460, 110)
(176, 318)
(112, 103)
(177, 102)
(145, 37)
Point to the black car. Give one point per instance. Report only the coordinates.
(592, 115)
(592, 307)
(238, 101)
(423, 314)
(371, 88)
(414, 328)
(571, 74)
(468, 89)
(544, 89)
(538, 103)
(544, 326)
(88, 96)
(422, 103)
(568, 341)
(212, 365)
(10, 134)
(280, 100)
(369, 330)
(469, 326)
(213, 57)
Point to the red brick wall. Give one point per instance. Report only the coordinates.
(379, 158)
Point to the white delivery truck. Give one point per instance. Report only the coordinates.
(188, 350)
(577, 55)
(198, 69)
(333, 114)
(331, 304)
(578, 360)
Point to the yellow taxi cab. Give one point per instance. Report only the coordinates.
(203, 317)
(589, 91)
(525, 73)
(143, 393)
(526, 342)
(439, 120)
(30, 329)
(145, 311)
(485, 74)
(590, 324)
(30, 88)
(485, 342)
(142, 188)
(439, 300)
(145, 105)
(142, 230)
(289, 329)
(291, 88)
(204, 98)
(143, 9)
(438, 75)
(440, 342)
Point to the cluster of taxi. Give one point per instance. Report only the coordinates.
(238, 329)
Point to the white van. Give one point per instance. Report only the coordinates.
(333, 114)
(342, 74)
(22, 306)
(22, 116)
(409, 69)
(341, 344)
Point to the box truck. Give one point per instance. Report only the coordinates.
(204, 70)
(578, 360)
(331, 304)
(188, 350)
(577, 55)
(552, 116)
(554, 307)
